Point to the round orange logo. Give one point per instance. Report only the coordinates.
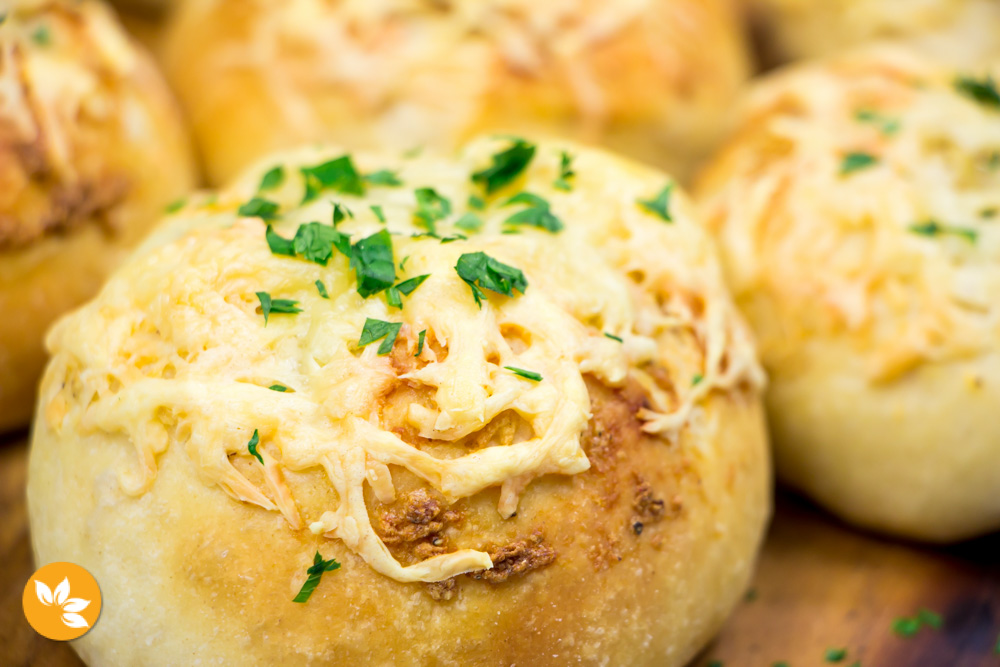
(61, 601)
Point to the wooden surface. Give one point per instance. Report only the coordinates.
(819, 586)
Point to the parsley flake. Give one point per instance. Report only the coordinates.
(252, 447)
(379, 329)
(476, 203)
(538, 214)
(527, 375)
(383, 177)
(174, 206)
(857, 161)
(887, 126)
(41, 36)
(934, 228)
(321, 288)
(406, 288)
(379, 213)
(315, 573)
(506, 166)
(373, 264)
(697, 379)
(480, 271)
(835, 654)
(338, 174)
(983, 91)
(420, 342)
(259, 208)
(269, 305)
(614, 337)
(278, 244)
(566, 172)
(314, 242)
(278, 387)
(660, 204)
(906, 626)
(470, 222)
(431, 207)
(341, 213)
(274, 177)
(930, 618)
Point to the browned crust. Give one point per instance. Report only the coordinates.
(517, 558)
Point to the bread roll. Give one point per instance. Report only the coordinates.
(91, 150)
(650, 78)
(959, 31)
(551, 452)
(857, 208)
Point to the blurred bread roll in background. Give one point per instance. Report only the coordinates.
(507, 392)
(958, 31)
(649, 78)
(91, 149)
(858, 211)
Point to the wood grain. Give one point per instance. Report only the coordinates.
(819, 585)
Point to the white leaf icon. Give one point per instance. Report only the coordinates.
(44, 593)
(61, 592)
(75, 621)
(76, 604)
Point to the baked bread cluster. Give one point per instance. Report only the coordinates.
(506, 392)
(857, 210)
(91, 150)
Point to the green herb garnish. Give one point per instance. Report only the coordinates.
(376, 329)
(565, 172)
(697, 379)
(372, 261)
(41, 36)
(835, 654)
(528, 375)
(538, 214)
(278, 387)
(934, 228)
(431, 207)
(506, 166)
(259, 208)
(383, 177)
(857, 161)
(470, 222)
(476, 203)
(887, 126)
(252, 447)
(660, 204)
(613, 337)
(341, 213)
(274, 177)
(321, 288)
(379, 213)
(480, 271)
(983, 91)
(405, 288)
(930, 618)
(269, 305)
(338, 174)
(420, 342)
(174, 206)
(315, 572)
(906, 626)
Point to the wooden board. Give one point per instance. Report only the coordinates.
(819, 586)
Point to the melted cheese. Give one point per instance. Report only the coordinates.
(174, 352)
(837, 252)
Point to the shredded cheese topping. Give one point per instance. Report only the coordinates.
(175, 351)
(857, 251)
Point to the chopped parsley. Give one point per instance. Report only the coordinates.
(886, 125)
(613, 337)
(537, 214)
(750, 595)
(857, 161)
(989, 212)
(259, 208)
(431, 207)
(321, 288)
(697, 379)
(341, 213)
(470, 222)
(274, 177)
(314, 242)
(252, 447)
(780, 663)
(454, 237)
(379, 213)
(405, 288)
(835, 654)
(475, 202)
(41, 36)
(660, 204)
(383, 177)
(315, 573)
(480, 271)
(278, 387)
(566, 172)
(373, 264)
(527, 375)
(420, 342)
(908, 626)
(338, 174)
(983, 91)
(174, 206)
(269, 305)
(278, 244)
(379, 329)
(934, 228)
(506, 166)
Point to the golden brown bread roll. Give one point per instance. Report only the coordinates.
(91, 149)
(529, 431)
(857, 209)
(649, 78)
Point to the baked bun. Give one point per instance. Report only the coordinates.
(649, 78)
(958, 31)
(576, 469)
(857, 209)
(91, 150)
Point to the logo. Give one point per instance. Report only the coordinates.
(61, 601)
